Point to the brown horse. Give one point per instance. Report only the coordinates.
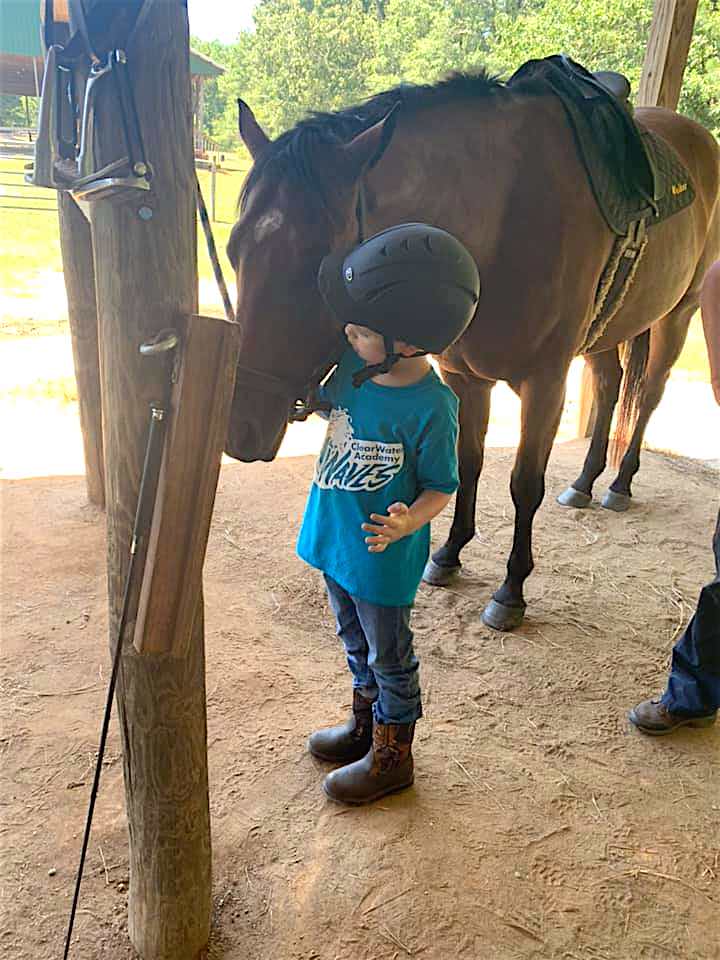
(500, 170)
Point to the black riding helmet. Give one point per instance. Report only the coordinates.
(411, 282)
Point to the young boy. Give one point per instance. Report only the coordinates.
(388, 466)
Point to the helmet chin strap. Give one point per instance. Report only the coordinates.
(391, 358)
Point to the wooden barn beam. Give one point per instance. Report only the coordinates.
(671, 33)
(79, 273)
(146, 279)
(586, 404)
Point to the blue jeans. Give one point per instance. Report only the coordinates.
(378, 644)
(694, 682)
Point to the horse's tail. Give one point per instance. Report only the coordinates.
(637, 351)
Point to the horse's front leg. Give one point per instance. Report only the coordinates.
(474, 413)
(542, 397)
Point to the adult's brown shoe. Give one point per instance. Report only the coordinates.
(386, 768)
(654, 718)
(347, 741)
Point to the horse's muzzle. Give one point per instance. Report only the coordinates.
(246, 441)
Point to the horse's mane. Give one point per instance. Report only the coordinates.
(291, 154)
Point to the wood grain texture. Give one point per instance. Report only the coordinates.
(200, 409)
(586, 404)
(146, 279)
(79, 274)
(671, 33)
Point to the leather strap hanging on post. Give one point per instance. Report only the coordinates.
(65, 145)
(212, 253)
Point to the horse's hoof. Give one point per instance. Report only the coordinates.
(574, 498)
(500, 617)
(619, 502)
(438, 576)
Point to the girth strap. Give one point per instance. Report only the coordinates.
(616, 280)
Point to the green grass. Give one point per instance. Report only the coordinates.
(30, 242)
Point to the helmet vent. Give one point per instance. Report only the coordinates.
(380, 292)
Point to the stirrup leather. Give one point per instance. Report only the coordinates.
(65, 148)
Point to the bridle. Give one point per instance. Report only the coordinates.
(301, 396)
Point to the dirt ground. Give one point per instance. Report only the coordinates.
(539, 826)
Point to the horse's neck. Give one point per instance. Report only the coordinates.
(451, 162)
(459, 166)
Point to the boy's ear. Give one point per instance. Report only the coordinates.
(406, 349)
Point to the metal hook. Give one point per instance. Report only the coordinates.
(162, 342)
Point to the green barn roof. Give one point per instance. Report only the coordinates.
(20, 36)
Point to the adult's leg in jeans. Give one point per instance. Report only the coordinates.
(350, 631)
(392, 662)
(694, 682)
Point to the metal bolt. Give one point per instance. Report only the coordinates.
(140, 169)
(145, 213)
(349, 274)
(121, 56)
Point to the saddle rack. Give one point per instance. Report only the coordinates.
(66, 149)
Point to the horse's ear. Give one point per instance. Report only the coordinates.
(365, 150)
(252, 134)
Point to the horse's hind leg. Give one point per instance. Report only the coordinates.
(606, 374)
(667, 337)
(542, 397)
(474, 413)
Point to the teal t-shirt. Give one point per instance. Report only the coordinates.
(383, 444)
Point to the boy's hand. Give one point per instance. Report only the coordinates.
(386, 530)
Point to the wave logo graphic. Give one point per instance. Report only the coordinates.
(346, 463)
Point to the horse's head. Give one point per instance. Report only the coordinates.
(298, 203)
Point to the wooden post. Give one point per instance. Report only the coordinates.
(146, 278)
(213, 187)
(671, 32)
(200, 114)
(586, 404)
(79, 274)
(186, 488)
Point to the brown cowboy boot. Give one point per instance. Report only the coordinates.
(348, 741)
(387, 767)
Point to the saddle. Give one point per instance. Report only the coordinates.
(637, 178)
(634, 174)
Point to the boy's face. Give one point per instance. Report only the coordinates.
(370, 346)
(367, 344)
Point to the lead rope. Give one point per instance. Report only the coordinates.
(212, 253)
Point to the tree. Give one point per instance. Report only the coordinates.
(306, 55)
